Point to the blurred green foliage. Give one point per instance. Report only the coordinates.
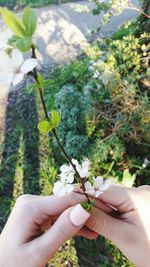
(33, 3)
(104, 99)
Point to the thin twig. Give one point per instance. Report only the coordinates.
(35, 75)
(139, 10)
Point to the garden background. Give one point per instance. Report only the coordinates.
(103, 96)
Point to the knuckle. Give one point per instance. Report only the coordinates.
(96, 222)
(23, 200)
(73, 198)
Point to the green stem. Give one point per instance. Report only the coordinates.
(110, 168)
(77, 175)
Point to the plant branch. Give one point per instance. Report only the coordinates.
(35, 75)
(137, 9)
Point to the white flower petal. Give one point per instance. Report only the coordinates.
(64, 168)
(67, 177)
(70, 178)
(88, 186)
(63, 176)
(5, 79)
(57, 187)
(17, 58)
(6, 35)
(18, 78)
(29, 65)
(84, 173)
(90, 192)
(76, 163)
(86, 163)
(146, 163)
(69, 188)
(98, 193)
(110, 181)
(98, 181)
(61, 191)
(104, 187)
(5, 63)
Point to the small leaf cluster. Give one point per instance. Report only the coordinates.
(47, 126)
(23, 28)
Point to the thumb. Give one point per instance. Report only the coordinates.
(116, 230)
(66, 226)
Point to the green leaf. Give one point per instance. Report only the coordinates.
(13, 22)
(13, 40)
(128, 179)
(31, 88)
(55, 118)
(24, 44)
(41, 80)
(30, 20)
(45, 126)
(88, 207)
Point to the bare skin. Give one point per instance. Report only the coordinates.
(130, 231)
(24, 241)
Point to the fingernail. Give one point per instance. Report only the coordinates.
(78, 215)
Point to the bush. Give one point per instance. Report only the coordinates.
(105, 103)
(104, 99)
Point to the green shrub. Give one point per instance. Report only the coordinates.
(105, 104)
(72, 129)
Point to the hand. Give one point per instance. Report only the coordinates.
(24, 241)
(130, 231)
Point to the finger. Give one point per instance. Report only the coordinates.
(113, 229)
(98, 203)
(120, 197)
(67, 225)
(54, 205)
(87, 233)
(33, 211)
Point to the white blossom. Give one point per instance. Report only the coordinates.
(67, 173)
(145, 163)
(83, 168)
(98, 186)
(62, 188)
(64, 185)
(6, 36)
(13, 68)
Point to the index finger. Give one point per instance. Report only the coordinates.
(123, 198)
(53, 205)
